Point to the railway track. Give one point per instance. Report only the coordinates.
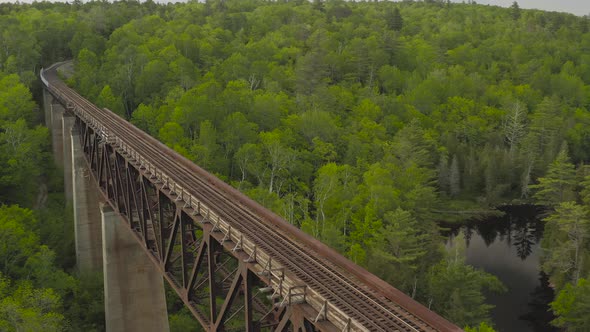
(375, 311)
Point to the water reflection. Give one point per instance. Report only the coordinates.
(520, 227)
(509, 247)
(523, 239)
(540, 314)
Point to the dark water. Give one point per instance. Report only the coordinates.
(509, 248)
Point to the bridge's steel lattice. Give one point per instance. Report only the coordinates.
(235, 265)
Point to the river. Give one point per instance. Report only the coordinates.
(509, 248)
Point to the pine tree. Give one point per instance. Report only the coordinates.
(571, 220)
(515, 10)
(559, 183)
(572, 305)
(395, 20)
(399, 250)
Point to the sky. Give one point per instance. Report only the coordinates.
(578, 7)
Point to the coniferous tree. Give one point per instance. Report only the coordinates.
(399, 250)
(572, 305)
(395, 20)
(515, 11)
(559, 183)
(567, 258)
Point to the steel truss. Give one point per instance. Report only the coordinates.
(221, 284)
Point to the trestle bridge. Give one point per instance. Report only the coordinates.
(235, 265)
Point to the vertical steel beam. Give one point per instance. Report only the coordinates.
(213, 289)
(248, 284)
(229, 299)
(285, 320)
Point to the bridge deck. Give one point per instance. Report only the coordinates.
(367, 300)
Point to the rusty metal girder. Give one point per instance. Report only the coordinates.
(206, 268)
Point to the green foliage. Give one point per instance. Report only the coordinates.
(569, 229)
(183, 321)
(87, 62)
(15, 101)
(394, 19)
(565, 243)
(23, 152)
(572, 305)
(399, 251)
(84, 309)
(515, 11)
(29, 309)
(457, 290)
(106, 99)
(18, 243)
(23, 147)
(482, 327)
(45, 295)
(57, 229)
(559, 183)
(585, 190)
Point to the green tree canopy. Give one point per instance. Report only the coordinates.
(572, 305)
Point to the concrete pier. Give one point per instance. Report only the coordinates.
(67, 125)
(56, 114)
(134, 293)
(133, 288)
(47, 100)
(86, 210)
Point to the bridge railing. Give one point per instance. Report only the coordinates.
(43, 79)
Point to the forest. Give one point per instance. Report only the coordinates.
(366, 124)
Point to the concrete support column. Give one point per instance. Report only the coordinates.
(47, 100)
(134, 295)
(57, 112)
(67, 125)
(86, 210)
